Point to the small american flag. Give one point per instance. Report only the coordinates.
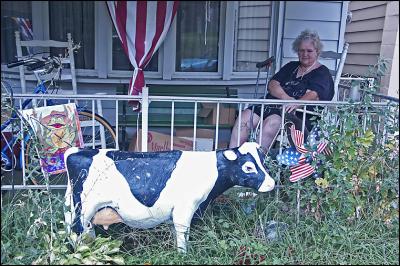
(25, 27)
(299, 158)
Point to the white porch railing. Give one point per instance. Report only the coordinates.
(146, 100)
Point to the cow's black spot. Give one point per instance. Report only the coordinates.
(78, 165)
(146, 173)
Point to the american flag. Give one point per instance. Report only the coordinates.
(142, 27)
(25, 28)
(299, 158)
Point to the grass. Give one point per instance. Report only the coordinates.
(27, 220)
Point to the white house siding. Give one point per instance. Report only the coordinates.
(373, 33)
(393, 84)
(324, 17)
(364, 34)
(390, 49)
(253, 29)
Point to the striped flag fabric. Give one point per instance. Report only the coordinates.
(301, 171)
(299, 158)
(141, 26)
(25, 28)
(298, 139)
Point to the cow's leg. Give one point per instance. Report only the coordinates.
(68, 208)
(182, 236)
(88, 229)
(90, 232)
(88, 211)
(182, 218)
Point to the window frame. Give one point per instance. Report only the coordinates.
(43, 6)
(41, 29)
(273, 39)
(196, 75)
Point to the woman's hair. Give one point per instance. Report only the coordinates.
(307, 35)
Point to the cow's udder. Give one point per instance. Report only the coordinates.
(106, 217)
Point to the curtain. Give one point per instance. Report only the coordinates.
(141, 27)
(197, 36)
(77, 18)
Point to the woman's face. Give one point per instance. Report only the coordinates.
(307, 53)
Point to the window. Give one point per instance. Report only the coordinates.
(253, 27)
(208, 41)
(197, 36)
(120, 60)
(10, 10)
(77, 18)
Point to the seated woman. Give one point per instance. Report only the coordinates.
(306, 79)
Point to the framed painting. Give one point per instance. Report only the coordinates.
(57, 128)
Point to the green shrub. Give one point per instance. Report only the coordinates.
(360, 178)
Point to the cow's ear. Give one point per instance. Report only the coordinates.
(230, 155)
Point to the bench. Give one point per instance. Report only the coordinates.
(160, 112)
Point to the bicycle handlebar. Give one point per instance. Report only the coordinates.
(36, 63)
(266, 63)
(21, 62)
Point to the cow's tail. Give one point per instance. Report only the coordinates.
(69, 212)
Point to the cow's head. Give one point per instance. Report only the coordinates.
(246, 167)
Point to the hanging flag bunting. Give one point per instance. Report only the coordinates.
(141, 27)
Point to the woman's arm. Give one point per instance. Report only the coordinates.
(274, 87)
(308, 96)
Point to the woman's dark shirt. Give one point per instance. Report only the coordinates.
(318, 80)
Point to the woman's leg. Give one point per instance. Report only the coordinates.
(271, 128)
(244, 128)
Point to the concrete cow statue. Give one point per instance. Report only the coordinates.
(144, 189)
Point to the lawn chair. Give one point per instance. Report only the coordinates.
(44, 46)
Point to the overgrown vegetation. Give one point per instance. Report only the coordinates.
(361, 177)
(31, 234)
(348, 216)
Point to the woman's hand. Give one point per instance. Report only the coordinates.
(309, 95)
(277, 91)
(292, 108)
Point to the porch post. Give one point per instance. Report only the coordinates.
(145, 114)
(21, 67)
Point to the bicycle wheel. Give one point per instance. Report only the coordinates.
(7, 101)
(104, 137)
(8, 158)
(104, 134)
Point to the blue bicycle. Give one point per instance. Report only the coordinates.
(47, 70)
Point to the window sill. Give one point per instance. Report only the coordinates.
(150, 81)
(90, 76)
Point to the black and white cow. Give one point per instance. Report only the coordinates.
(144, 189)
